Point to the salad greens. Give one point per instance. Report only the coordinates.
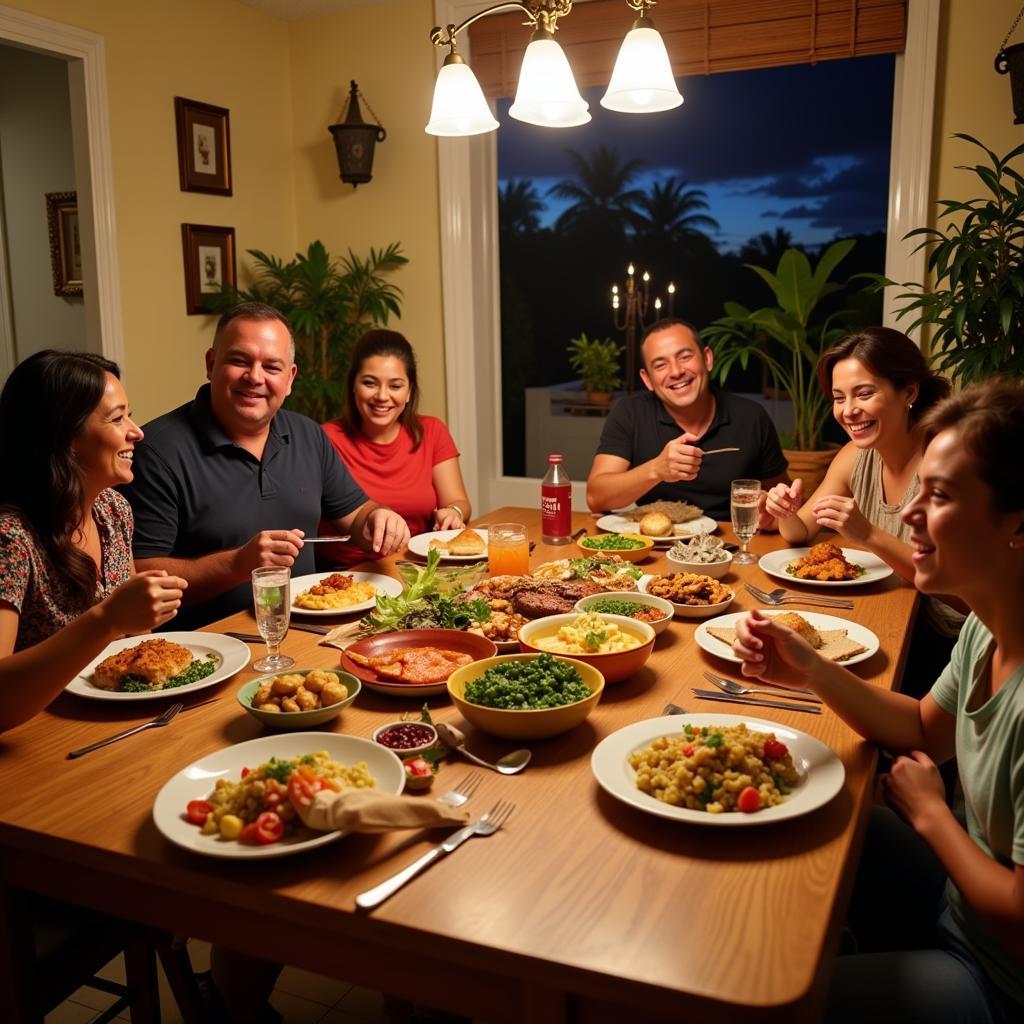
(581, 568)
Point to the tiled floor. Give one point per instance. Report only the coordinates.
(302, 998)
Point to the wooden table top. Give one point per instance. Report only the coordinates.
(581, 907)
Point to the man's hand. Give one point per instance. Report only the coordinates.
(678, 460)
(270, 547)
(386, 531)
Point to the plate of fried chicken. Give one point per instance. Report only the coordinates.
(826, 565)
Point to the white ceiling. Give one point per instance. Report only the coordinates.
(293, 10)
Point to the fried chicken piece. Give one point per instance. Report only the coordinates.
(833, 569)
(155, 661)
(826, 551)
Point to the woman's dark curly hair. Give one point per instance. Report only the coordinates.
(43, 407)
(894, 357)
(380, 342)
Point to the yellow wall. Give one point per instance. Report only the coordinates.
(386, 49)
(219, 52)
(970, 96)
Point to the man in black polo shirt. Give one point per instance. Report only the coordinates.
(652, 444)
(231, 481)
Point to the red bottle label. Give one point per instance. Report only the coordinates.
(556, 510)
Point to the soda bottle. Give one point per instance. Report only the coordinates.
(556, 503)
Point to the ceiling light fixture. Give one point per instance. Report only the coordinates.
(547, 94)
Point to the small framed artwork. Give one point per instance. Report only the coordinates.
(204, 147)
(209, 254)
(65, 242)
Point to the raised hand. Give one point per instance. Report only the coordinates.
(679, 459)
(840, 513)
(269, 547)
(144, 601)
(785, 499)
(387, 531)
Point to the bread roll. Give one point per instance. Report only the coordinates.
(656, 524)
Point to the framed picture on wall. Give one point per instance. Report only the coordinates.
(209, 254)
(65, 242)
(204, 147)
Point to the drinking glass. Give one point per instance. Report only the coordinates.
(508, 549)
(271, 594)
(745, 504)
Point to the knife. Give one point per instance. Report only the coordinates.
(310, 627)
(781, 704)
(791, 693)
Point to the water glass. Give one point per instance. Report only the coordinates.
(745, 502)
(508, 549)
(271, 594)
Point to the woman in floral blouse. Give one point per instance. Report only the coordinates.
(66, 574)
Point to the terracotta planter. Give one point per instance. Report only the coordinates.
(599, 397)
(810, 467)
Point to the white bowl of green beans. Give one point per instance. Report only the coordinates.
(655, 611)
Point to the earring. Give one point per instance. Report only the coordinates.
(910, 405)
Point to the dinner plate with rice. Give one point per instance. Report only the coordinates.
(838, 640)
(327, 593)
(621, 764)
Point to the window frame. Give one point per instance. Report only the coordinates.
(468, 208)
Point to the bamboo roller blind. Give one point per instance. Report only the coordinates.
(702, 36)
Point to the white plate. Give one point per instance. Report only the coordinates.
(384, 584)
(854, 630)
(775, 564)
(420, 545)
(821, 771)
(197, 780)
(613, 523)
(233, 655)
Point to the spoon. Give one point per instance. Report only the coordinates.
(511, 763)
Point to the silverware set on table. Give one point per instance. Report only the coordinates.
(778, 598)
(731, 692)
(162, 719)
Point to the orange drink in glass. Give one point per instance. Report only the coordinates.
(508, 549)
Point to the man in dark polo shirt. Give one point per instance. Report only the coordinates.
(231, 481)
(653, 443)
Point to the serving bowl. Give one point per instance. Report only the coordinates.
(626, 554)
(524, 725)
(691, 611)
(584, 604)
(716, 570)
(291, 720)
(615, 666)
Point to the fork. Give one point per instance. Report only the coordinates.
(778, 597)
(485, 826)
(457, 796)
(159, 720)
(731, 686)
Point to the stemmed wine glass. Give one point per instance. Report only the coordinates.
(271, 593)
(745, 504)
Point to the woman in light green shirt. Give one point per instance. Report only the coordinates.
(957, 953)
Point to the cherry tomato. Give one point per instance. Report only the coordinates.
(774, 750)
(417, 767)
(245, 771)
(688, 750)
(269, 828)
(248, 833)
(749, 800)
(197, 811)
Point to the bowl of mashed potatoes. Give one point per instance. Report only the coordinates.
(616, 645)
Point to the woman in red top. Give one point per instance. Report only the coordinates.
(401, 459)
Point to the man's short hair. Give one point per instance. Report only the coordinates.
(254, 311)
(671, 321)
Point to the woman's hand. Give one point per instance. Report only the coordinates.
(448, 518)
(840, 513)
(773, 652)
(144, 601)
(914, 789)
(784, 500)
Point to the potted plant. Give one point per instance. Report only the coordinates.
(596, 360)
(976, 303)
(800, 341)
(329, 304)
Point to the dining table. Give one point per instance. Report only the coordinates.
(581, 908)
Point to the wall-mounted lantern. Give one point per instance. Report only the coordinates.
(1010, 60)
(354, 139)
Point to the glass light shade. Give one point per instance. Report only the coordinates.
(547, 93)
(459, 106)
(642, 81)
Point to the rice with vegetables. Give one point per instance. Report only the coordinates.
(716, 769)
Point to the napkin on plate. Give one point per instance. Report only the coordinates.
(366, 810)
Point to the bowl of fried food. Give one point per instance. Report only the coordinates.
(630, 547)
(300, 698)
(526, 696)
(692, 595)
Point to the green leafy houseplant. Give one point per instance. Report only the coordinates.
(329, 304)
(977, 301)
(801, 340)
(596, 360)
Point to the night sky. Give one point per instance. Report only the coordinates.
(805, 148)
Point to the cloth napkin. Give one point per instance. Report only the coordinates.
(366, 810)
(345, 634)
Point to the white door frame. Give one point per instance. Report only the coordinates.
(87, 81)
(467, 192)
